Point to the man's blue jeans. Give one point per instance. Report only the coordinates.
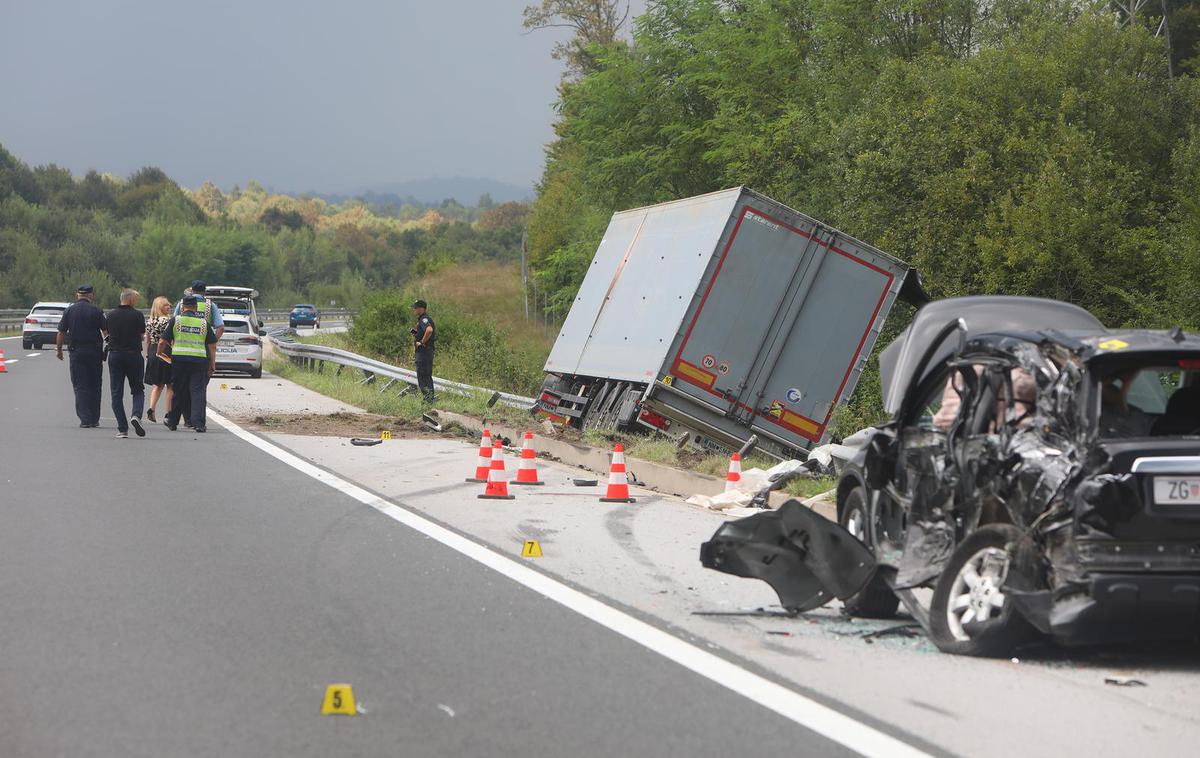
(126, 366)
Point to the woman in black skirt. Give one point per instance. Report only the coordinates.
(158, 372)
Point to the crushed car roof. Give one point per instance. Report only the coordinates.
(980, 315)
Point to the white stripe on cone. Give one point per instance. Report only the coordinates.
(735, 472)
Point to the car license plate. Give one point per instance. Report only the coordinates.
(1176, 489)
(226, 349)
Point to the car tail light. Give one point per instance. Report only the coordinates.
(248, 340)
(31, 321)
(654, 420)
(1189, 364)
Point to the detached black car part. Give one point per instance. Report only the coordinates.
(807, 559)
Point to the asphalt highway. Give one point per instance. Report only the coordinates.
(191, 594)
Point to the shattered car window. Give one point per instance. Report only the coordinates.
(1150, 401)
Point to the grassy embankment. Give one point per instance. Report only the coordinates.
(492, 292)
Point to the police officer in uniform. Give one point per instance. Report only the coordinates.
(84, 325)
(423, 333)
(212, 314)
(193, 344)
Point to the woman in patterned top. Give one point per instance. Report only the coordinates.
(158, 372)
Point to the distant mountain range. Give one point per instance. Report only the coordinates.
(465, 189)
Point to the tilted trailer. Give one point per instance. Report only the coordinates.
(722, 316)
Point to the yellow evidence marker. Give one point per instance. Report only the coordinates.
(385, 435)
(531, 550)
(224, 386)
(339, 699)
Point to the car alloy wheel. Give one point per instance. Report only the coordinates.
(972, 612)
(977, 594)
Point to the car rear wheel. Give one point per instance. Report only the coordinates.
(256, 373)
(28, 345)
(876, 600)
(971, 614)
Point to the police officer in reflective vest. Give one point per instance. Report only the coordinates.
(424, 349)
(193, 345)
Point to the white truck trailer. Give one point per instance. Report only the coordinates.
(724, 316)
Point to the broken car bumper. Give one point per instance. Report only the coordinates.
(806, 558)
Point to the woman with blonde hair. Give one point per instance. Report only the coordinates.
(158, 371)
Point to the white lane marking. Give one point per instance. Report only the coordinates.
(10, 361)
(808, 713)
(32, 355)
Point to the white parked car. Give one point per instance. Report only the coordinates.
(240, 347)
(237, 301)
(41, 325)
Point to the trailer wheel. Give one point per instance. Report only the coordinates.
(876, 600)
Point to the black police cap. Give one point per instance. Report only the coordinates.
(84, 289)
(419, 304)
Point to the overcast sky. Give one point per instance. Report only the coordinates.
(298, 94)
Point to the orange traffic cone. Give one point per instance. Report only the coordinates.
(527, 472)
(2, 369)
(735, 472)
(485, 459)
(497, 486)
(618, 480)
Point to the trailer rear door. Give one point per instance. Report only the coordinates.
(787, 316)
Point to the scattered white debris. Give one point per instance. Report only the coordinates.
(449, 711)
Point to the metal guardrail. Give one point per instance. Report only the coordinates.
(315, 356)
(11, 319)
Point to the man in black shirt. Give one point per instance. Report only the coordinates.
(126, 327)
(424, 349)
(84, 324)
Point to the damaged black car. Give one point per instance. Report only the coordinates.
(1040, 477)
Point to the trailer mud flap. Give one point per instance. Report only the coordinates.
(807, 559)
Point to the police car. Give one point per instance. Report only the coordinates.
(235, 301)
(41, 325)
(240, 347)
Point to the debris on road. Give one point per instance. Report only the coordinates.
(585, 482)
(1121, 681)
(360, 442)
(899, 630)
(752, 488)
(447, 709)
(755, 612)
(806, 558)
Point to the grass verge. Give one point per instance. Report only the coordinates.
(368, 397)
